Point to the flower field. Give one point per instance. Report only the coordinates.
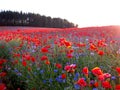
(60, 59)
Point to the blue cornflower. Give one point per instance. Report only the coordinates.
(60, 80)
(92, 82)
(77, 87)
(95, 89)
(77, 57)
(35, 73)
(82, 54)
(63, 71)
(113, 77)
(33, 51)
(16, 70)
(19, 74)
(76, 76)
(41, 71)
(28, 76)
(64, 80)
(101, 67)
(50, 80)
(55, 70)
(84, 78)
(44, 81)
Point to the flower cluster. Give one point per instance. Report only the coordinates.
(60, 59)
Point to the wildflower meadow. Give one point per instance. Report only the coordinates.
(59, 59)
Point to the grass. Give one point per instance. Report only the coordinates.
(60, 60)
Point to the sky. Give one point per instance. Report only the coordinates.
(85, 13)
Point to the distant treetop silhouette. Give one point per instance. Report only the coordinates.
(13, 18)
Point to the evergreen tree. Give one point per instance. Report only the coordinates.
(10, 18)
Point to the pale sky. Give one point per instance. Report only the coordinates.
(85, 13)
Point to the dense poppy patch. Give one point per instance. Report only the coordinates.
(59, 59)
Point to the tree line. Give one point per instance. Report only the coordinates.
(13, 18)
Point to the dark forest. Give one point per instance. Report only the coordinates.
(13, 18)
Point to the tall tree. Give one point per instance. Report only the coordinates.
(10, 18)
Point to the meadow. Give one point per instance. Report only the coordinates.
(60, 59)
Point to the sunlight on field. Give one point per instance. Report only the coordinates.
(51, 58)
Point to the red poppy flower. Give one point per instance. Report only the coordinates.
(2, 74)
(2, 61)
(106, 84)
(63, 76)
(18, 88)
(97, 71)
(24, 63)
(107, 75)
(67, 44)
(67, 68)
(93, 47)
(82, 82)
(43, 58)
(29, 69)
(96, 84)
(33, 59)
(69, 55)
(117, 87)
(15, 62)
(118, 70)
(44, 50)
(1, 67)
(101, 77)
(70, 51)
(100, 43)
(70, 68)
(16, 55)
(47, 62)
(73, 66)
(85, 71)
(58, 65)
(27, 57)
(100, 52)
(81, 45)
(2, 86)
